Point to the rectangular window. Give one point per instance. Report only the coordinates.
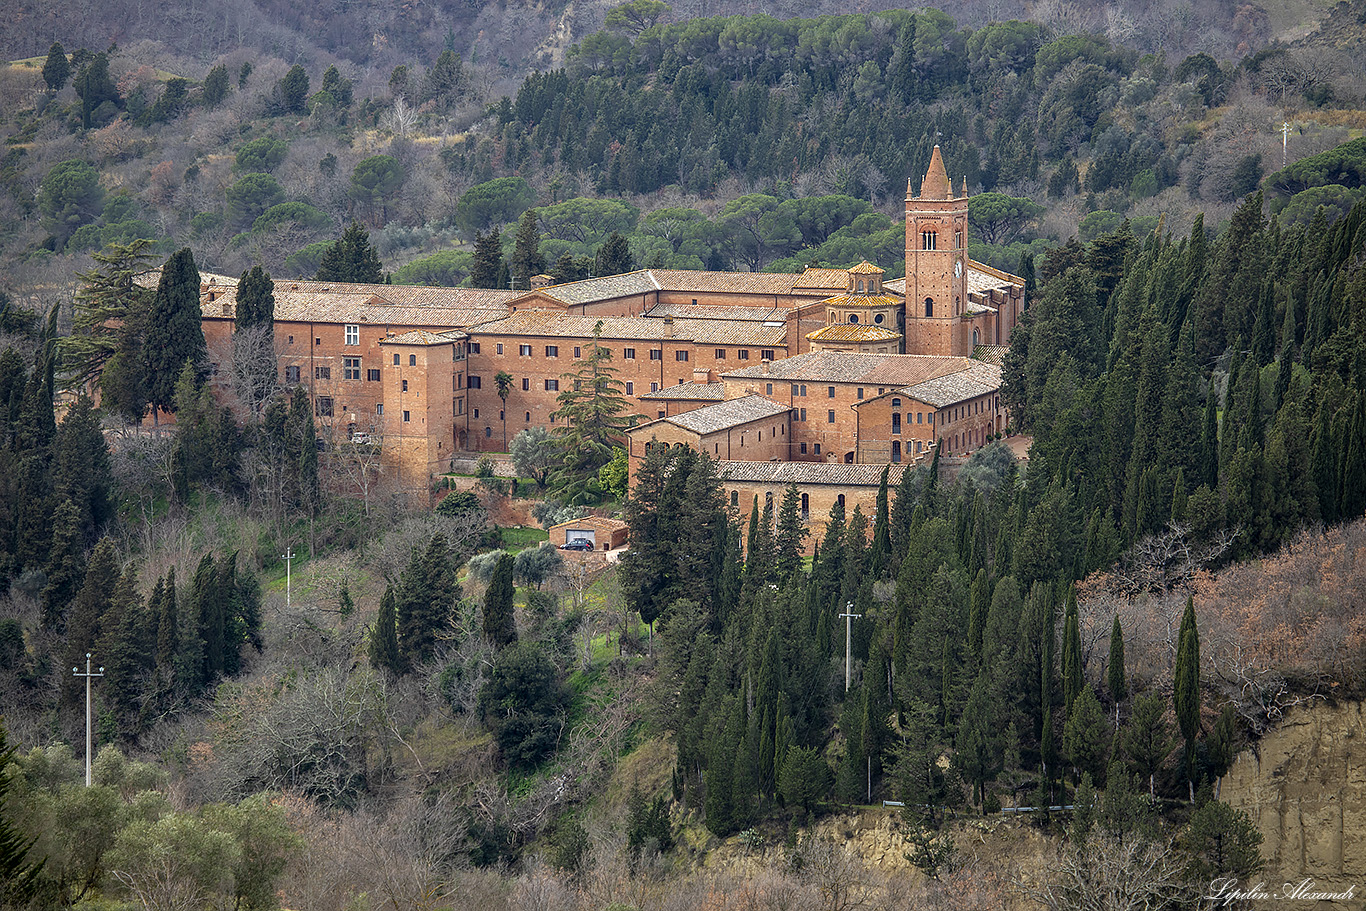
(817, 449)
(794, 388)
(896, 423)
(395, 360)
(803, 449)
(552, 350)
(476, 382)
(576, 351)
(829, 392)
(656, 354)
(317, 341)
(744, 354)
(500, 347)
(323, 406)
(291, 339)
(322, 373)
(379, 409)
(350, 368)
(860, 392)
(654, 387)
(526, 384)
(768, 389)
(405, 385)
(372, 375)
(680, 355)
(766, 354)
(830, 416)
(412, 360)
(352, 334)
(407, 416)
(291, 374)
(803, 414)
(552, 385)
(474, 347)
(720, 354)
(628, 354)
(524, 350)
(630, 388)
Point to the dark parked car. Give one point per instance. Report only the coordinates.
(577, 544)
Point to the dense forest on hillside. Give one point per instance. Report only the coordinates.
(731, 142)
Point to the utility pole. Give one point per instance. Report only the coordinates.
(287, 556)
(849, 618)
(87, 675)
(1285, 140)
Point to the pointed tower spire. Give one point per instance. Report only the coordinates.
(936, 184)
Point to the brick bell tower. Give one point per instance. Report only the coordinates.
(936, 264)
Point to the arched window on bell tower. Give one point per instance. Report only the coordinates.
(929, 240)
(929, 306)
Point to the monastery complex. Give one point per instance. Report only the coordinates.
(819, 379)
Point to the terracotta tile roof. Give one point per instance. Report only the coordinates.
(701, 311)
(553, 324)
(646, 281)
(982, 278)
(722, 416)
(847, 367)
(853, 332)
(991, 354)
(689, 392)
(975, 306)
(864, 300)
(341, 302)
(817, 279)
(838, 473)
(424, 337)
(896, 286)
(979, 379)
(599, 522)
(866, 268)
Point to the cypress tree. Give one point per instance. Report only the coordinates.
(56, 69)
(81, 470)
(65, 567)
(879, 555)
(85, 627)
(1323, 461)
(1179, 497)
(980, 601)
(255, 299)
(175, 332)
(903, 508)
(1071, 653)
(210, 609)
(1186, 690)
(1209, 442)
(1353, 473)
(613, 257)
(384, 636)
(1114, 674)
(500, 625)
(488, 260)
(791, 533)
(122, 650)
(526, 253)
(167, 639)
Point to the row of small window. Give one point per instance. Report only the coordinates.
(351, 370)
(655, 354)
(525, 350)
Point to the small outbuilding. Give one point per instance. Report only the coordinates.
(602, 533)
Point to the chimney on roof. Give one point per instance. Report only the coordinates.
(542, 281)
(765, 365)
(668, 327)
